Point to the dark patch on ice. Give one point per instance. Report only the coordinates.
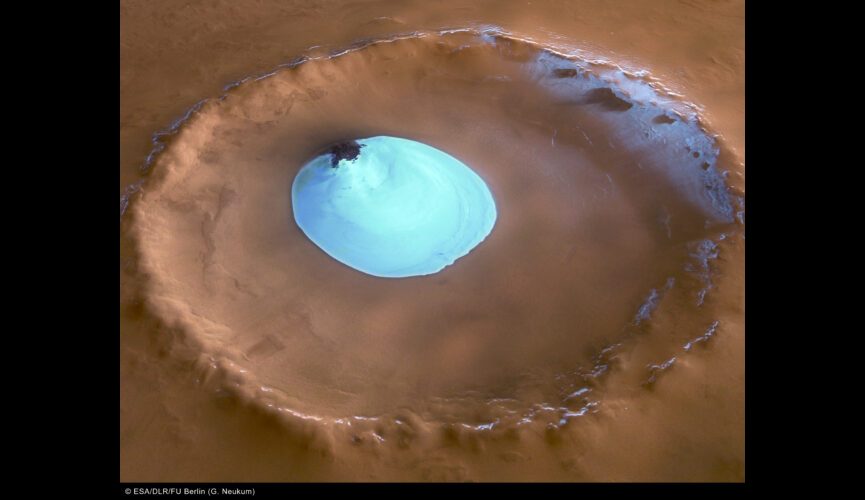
(663, 120)
(607, 99)
(564, 72)
(348, 150)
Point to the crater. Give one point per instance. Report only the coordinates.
(559, 235)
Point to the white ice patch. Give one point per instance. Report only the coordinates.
(400, 209)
